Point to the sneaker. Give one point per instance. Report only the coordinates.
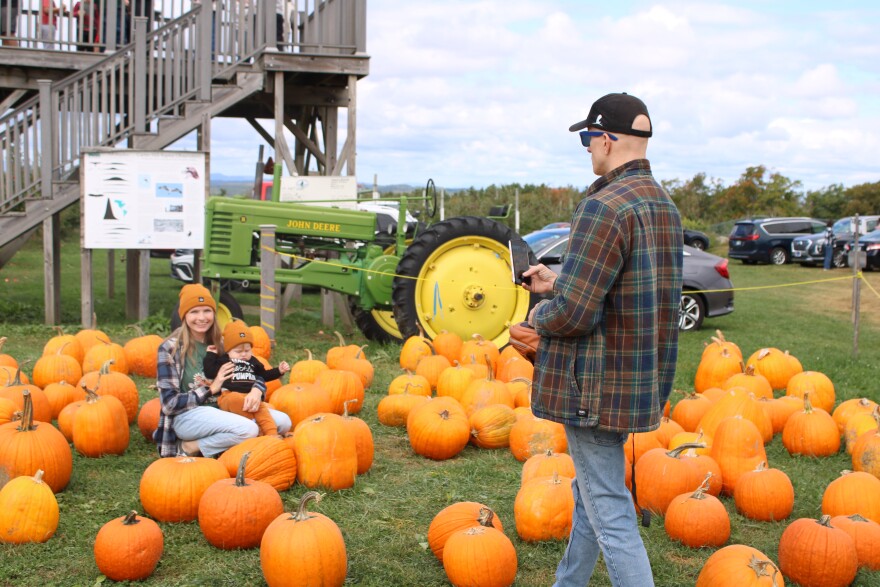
(189, 447)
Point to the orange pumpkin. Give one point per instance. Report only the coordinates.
(738, 565)
(454, 381)
(60, 394)
(301, 400)
(305, 548)
(100, 426)
(485, 392)
(337, 353)
(262, 345)
(28, 445)
(662, 475)
(360, 366)
(171, 487)
(737, 447)
(142, 353)
(393, 410)
(67, 343)
(100, 354)
(546, 464)
(818, 385)
(532, 436)
(857, 426)
(543, 509)
(342, 386)
(713, 370)
(690, 409)
(56, 368)
(234, 513)
(777, 366)
(129, 548)
(866, 535)
(148, 418)
(28, 510)
(866, 449)
(490, 426)
(814, 552)
(14, 391)
(448, 344)
(482, 555)
(719, 343)
(411, 383)
(846, 409)
(271, 461)
(89, 337)
(106, 381)
(811, 432)
(414, 349)
(737, 402)
(756, 383)
(853, 493)
(363, 439)
(764, 494)
(307, 370)
(438, 429)
(326, 452)
(697, 519)
(7, 360)
(431, 367)
(780, 409)
(456, 518)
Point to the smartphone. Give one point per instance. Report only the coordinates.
(519, 261)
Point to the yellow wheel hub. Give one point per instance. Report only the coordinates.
(465, 287)
(222, 315)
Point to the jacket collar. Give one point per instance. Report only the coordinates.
(634, 167)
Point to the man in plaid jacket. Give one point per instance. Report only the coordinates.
(609, 335)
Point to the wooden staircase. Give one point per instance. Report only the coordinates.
(151, 93)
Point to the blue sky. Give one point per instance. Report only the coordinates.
(476, 92)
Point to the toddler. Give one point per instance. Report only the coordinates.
(249, 374)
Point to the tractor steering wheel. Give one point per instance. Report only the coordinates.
(430, 199)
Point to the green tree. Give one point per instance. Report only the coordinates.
(862, 199)
(755, 194)
(828, 202)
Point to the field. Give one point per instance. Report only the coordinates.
(385, 517)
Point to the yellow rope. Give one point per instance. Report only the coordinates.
(859, 275)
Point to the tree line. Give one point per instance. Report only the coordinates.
(705, 203)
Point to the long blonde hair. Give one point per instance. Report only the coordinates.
(186, 343)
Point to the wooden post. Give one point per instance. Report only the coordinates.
(143, 307)
(132, 285)
(88, 296)
(52, 268)
(857, 284)
(268, 291)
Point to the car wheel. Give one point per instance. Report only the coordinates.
(779, 256)
(691, 312)
(839, 259)
(698, 244)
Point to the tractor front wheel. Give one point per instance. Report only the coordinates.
(456, 276)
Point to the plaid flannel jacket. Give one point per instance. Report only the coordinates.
(609, 336)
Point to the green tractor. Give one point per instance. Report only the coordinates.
(453, 275)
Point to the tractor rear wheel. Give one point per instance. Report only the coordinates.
(377, 325)
(456, 276)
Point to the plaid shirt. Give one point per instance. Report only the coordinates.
(609, 336)
(174, 400)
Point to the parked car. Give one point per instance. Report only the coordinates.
(543, 238)
(810, 249)
(703, 274)
(869, 245)
(696, 239)
(557, 225)
(768, 240)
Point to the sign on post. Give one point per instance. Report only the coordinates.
(143, 199)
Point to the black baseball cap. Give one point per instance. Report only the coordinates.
(615, 113)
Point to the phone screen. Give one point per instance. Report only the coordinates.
(519, 260)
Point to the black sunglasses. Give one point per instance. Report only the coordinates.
(587, 136)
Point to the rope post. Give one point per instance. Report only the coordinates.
(857, 283)
(268, 291)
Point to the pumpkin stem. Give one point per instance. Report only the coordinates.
(361, 351)
(676, 452)
(857, 518)
(348, 401)
(339, 336)
(27, 413)
(2, 341)
(808, 407)
(525, 380)
(703, 488)
(309, 353)
(759, 566)
(301, 513)
(38, 476)
(137, 329)
(825, 520)
(239, 475)
(131, 519)
(488, 368)
(92, 393)
(444, 415)
(876, 415)
(762, 466)
(105, 368)
(485, 517)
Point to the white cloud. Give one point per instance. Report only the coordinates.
(480, 92)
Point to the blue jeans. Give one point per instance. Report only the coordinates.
(604, 517)
(217, 430)
(829, 252)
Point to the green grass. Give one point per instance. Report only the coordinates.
(385, 516)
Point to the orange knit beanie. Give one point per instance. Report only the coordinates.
(192, 296)
(236, 333)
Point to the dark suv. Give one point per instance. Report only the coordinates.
(768, 240)
(810, 249)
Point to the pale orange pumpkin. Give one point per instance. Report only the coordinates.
(846, 409)
(104, 353)
(719, 343)
(819, 386)
(414, 349)
(28, 510)
(454, 381)
(480, 350)
(490, 426)
(532, 436)
(410, 383)
(393, 410)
